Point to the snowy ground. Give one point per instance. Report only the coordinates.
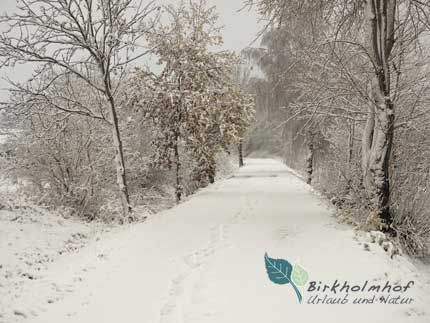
(204, 262)
(32, 241)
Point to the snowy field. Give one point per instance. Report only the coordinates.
(202, 261)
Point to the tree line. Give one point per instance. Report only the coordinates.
(91, 100)
(350, 81)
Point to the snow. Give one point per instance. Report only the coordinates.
(31, 240)
(203, 261)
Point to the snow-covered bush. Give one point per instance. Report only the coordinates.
(64, 164)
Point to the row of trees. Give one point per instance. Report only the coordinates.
(84, 104)
(353, 83)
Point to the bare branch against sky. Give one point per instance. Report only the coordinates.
(240, 29)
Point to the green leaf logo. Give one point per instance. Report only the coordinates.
(299, 276)
(280, 272)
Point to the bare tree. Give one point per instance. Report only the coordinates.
(93, 40)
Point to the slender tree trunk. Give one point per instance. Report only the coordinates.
(310, 160)
(367, 140)
(350, 156)
(120, 164)
(351, 144)
(121, 177)
(178, 166)
(178, 188)
(240, 150)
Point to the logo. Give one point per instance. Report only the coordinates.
(282, 272)
(370, 291)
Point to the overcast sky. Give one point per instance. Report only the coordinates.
(240, 29)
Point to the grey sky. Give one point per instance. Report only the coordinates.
(240, 29)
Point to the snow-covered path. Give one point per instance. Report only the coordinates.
(204, 262)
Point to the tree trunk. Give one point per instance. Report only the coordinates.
(211, 179)
(240, 149)
(178, 188)
(120, 165)
(376, 159)
(211, 168)
(367, 140)
(378, 133)
(121, 177)
(309, 160)
(350, 157)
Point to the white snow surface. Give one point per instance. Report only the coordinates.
(203, 261)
